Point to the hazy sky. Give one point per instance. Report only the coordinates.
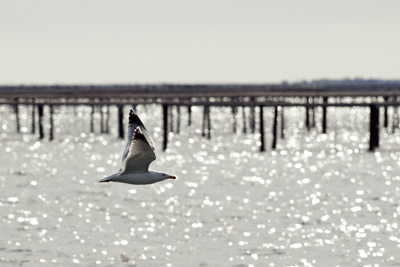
(85, 41)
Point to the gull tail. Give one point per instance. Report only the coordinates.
(108, 178)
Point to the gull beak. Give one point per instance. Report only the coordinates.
(171, 177)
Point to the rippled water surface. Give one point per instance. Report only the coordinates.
(318, 200)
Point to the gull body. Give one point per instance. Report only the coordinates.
(137, 178)
(136, 157)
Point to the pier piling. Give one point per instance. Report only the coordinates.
(396, 119)
(252, 119)
(244, 121)
(16, 111)
(374, 128)
(262, 145)
(203, 125)
(51, 135)
(33, 114)
(275, 128)
(40, 120)
(120, 121)
(189, 115)
(102, 124)
(313, 113)
(92, 119)
(171, 118)
(208, 123)
(308, 116)
(178, 119)
(165, 126)
(385, 118)
(324, 108)
(282, 123)
(234, 111)
(107, 122)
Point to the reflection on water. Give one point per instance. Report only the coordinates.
(318, 200)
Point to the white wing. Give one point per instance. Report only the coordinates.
(134, 123)
(140, 154)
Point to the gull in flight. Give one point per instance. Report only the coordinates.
(137, 156)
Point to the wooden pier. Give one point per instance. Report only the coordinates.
(375, 97)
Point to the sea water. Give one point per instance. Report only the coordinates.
(317, 200)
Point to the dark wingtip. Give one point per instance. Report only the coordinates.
(139, 136)
(134, 119)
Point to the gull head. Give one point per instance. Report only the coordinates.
(167, 176)
(160, 176)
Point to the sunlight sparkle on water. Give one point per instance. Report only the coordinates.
(319, 199)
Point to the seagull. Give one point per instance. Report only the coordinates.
(124, 258)
(136, 157)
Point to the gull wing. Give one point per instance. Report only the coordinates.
(140, 154)
(134, 123)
